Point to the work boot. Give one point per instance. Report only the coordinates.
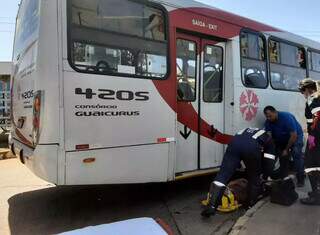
(300, 181)
(313, 183)
(313, 199)
(215, 196)
(311, 194)
(314, 179)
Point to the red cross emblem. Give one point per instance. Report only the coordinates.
(249, 105)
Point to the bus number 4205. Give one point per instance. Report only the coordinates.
(108, 94)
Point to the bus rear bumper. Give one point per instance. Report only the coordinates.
(123, 165)
(42, 160)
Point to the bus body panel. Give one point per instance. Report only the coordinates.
(231, 72)
(112, 118)
(109, 121)
(37, 71)
(252, 118)
(136, 164)
(23, 85)
(47, 79)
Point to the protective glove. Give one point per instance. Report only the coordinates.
(311, 142)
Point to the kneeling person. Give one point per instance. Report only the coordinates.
(255, 148)
(288, 137)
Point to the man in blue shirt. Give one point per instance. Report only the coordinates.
(288, 137)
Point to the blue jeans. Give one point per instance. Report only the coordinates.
(297, 156)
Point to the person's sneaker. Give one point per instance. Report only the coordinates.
(313, 200)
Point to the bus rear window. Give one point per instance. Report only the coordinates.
(118, 37)
(27, 26)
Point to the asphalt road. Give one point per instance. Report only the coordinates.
(29, 205)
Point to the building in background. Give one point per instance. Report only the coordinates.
(5, 73)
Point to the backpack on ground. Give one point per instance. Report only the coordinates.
(283, 192)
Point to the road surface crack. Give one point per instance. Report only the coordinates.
(221, 225)
(172, 216)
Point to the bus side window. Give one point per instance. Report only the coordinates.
(213, 74)
(287, 65)
(253, 60)
(156, 27)
(314, 64)
(274, 48)
(186, 70)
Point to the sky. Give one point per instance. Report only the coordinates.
(288, 15)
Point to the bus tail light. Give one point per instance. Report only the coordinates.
(36, 117)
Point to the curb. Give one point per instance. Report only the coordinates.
(240, 224)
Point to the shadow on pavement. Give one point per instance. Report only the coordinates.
(3, 139)
(59, 209)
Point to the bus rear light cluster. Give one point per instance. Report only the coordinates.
(36, 117)
(37, 103)
(36, 122)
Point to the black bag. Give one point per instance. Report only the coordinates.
(283, 192)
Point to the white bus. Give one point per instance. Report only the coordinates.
(125, 91)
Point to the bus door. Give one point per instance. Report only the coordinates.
(199, 65)
(187, 65)
(211, 101)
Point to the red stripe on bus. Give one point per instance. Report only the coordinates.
(225, 29)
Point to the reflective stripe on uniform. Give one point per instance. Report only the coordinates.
(308, 170)
(219, 184)
(289, 177)
(258, 134)
(243, 166)
(309, 120)
(315, 110)
(269, 156)
(241, 132)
